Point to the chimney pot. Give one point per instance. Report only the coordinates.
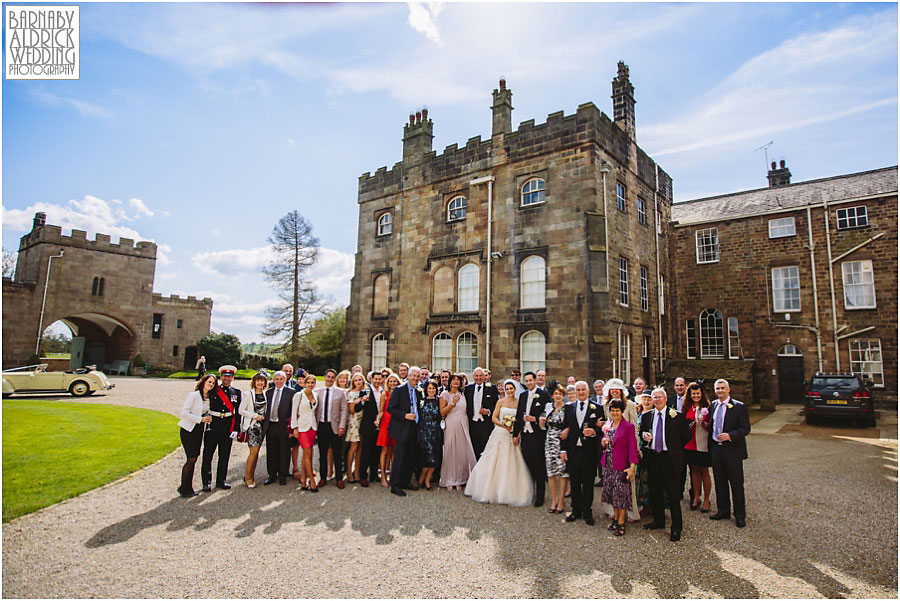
(418, 116)
(502, 83)
(40, 219)
(781, 163)
(773, 165)
(424, 113)
(412, 118)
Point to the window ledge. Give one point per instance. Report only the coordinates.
(531, 310)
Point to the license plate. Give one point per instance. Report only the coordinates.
(836, 402)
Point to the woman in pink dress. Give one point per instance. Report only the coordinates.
(459, 458)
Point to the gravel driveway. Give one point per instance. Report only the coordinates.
(822, 522)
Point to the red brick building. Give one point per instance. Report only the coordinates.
(771, 285)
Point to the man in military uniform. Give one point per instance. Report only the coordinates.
(223, 407)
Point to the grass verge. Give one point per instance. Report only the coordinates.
(54, 450)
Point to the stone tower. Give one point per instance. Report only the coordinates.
(623, 101)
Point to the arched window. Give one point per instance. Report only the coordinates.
(94, 284)
(712, 342)
(379, 351)
(456, 209)
(467, 288)
(533, 278)
(466, 353)
(790, 350)
(100, 287)
(441, 350)
(380, 295)
(532, 352)
(384, 224)
(442, 297)
(533, 192)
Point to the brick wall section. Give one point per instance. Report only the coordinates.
(740, 285)
(582, 314)
(127, 270)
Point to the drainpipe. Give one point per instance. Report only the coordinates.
(40, 332)
(837, 350)
(489, 180)
(604, 169)
(812, 264)
(659, 340)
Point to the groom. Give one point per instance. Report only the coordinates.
(527, 431)
(403, 407)
(481, 398)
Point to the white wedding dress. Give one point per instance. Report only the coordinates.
(501, 476)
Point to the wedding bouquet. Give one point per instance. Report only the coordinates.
(508, 421)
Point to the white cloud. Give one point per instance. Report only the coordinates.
(810, 79)
(86, 109)
(91, 214)
(423, 18)
(138, 205)
(234, 262)
(291, 142)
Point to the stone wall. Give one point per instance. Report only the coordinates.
(740, 285)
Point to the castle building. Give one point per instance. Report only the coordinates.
(104, 293)
(543, 247)
(775, 284)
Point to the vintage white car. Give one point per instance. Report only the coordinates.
(36, 378)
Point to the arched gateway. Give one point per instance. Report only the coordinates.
(103, 293)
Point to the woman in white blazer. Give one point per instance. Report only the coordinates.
(194, 412)
(253, 412)
(303, 424)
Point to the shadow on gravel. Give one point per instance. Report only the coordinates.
(778, 554)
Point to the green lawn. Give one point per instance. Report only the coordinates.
(54, 450)
(241, 374)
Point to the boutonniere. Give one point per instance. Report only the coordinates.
(421, 403)
(487, 384)
(592, 406)
(729, 406)
(672, 413)
(418, 389)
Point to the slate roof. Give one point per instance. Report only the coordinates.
(766, 200)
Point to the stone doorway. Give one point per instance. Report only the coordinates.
(790, 375)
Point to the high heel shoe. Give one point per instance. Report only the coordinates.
(694, 506)
(704, 510)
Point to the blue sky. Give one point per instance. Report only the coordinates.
(198, 126)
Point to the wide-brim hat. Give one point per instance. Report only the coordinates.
(615, 383)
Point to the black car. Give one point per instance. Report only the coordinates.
(844, 396)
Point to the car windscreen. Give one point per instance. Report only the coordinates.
(835, 384)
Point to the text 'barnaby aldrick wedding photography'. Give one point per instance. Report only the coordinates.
(42, 42)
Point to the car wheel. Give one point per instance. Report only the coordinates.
(79, 388)
(868, 422)
(812, 419)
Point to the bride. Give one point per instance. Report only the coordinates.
(501, 476)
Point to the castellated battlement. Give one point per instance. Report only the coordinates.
(174, 300)
(587, 125)
(52, 234)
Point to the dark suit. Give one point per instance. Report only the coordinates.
(368, 434)
(278, 452)
(405, 433)
(480, 431)
(581, 459)
(533, 442)
(672, 403)
(728, 457)
(664, 468)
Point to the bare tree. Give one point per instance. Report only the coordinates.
(9, 263)
(296, 250)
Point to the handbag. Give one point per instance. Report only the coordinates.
(241, 437)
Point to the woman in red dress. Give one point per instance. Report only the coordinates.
(696, 451)
(384, 441)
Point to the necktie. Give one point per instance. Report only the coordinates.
(478, 388)
(580, 406)
(412, 403)
(276, 399)
(327, 416)
(658, 436)
(720, 417)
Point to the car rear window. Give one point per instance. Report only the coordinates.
(835, 384)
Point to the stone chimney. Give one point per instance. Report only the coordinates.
(780, 176)
(502, 110)
(40, 220)
(417, 137)
(623, 101)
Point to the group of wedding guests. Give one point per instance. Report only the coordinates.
(505, 444)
